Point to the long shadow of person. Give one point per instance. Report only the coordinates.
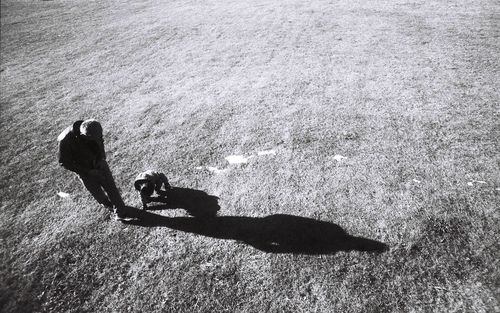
(278, 233)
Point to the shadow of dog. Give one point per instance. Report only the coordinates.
(197, 203)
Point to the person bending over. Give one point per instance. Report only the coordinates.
(81, 150)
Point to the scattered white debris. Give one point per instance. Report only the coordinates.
(207, 266)
(471, 183)
(417, 181)
(237, 159)
(267, 152)
(212, 169)
(63, 194)
(124, 219)
(216, 170)
(339, 157)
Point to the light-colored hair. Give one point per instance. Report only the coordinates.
(91, 129)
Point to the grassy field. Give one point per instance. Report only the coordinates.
(407, 92)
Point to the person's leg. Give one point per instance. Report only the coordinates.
(146, 192)
(95, 189)
(109, 185)
(163, 182)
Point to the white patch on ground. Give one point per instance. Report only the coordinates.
(339, 157)
(212, 169)
(266, 152)
(206, 265)
(216, 170)
(63, 194)
(237, 159)
(125, 219)
(417, 181)
(471, 183)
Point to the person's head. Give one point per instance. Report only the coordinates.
(91, 130)
(146, 189)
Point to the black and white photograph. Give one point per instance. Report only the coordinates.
(210, 156)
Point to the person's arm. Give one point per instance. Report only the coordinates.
(66, 160)
(102, 151)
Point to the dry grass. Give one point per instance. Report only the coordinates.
(406, 90)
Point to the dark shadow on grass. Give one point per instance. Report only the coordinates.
(196, 202)
(279, 233)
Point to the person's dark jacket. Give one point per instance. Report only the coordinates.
(77, 153)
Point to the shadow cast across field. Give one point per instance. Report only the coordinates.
(278, 233)
(196, 202)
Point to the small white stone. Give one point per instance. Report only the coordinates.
(339, 157)
(215, 169)
(236, 159)
(267, 152)
(63, 194)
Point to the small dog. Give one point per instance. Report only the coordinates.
(148, 182)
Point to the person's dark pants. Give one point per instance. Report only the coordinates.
(103, 189)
